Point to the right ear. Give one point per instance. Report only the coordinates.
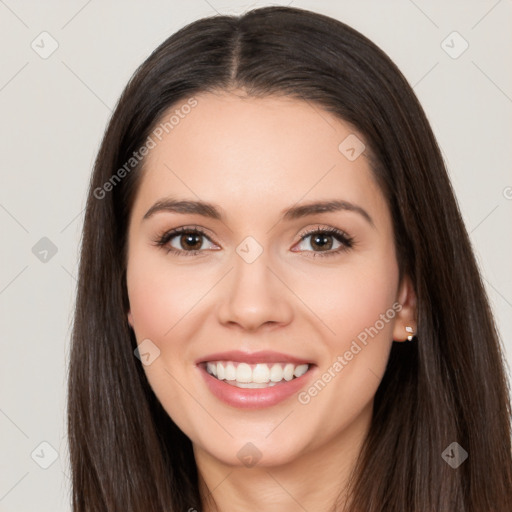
(130, 319)
(406, 317)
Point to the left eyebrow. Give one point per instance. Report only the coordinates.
(294, 212)
(297, 212)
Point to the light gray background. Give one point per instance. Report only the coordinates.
(54, 111)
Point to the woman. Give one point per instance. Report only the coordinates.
(278, 304)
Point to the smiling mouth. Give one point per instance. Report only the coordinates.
(259, 375)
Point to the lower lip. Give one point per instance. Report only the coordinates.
(254, 398)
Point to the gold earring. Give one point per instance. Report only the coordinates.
(411, 333)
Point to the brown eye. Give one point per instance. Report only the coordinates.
(325, 242)
(185, 241)
(321, 241)
(191, 240)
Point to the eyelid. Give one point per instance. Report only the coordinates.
(347, 242)
(323, 228)
(162, 240)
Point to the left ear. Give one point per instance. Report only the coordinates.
(406, 317)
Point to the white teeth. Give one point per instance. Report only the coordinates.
(220, 372)
(243, 372)
(261, 373)
(212, 368)
(301, 370)
(230, 372)
(252, 385)
(258, 375)
(276, 373)
(288, 371)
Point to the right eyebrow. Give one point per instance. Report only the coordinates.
(195, 207)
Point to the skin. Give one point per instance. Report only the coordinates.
(253, 158)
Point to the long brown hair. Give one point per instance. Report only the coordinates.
(126, 453)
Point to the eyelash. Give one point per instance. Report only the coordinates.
(347, 241)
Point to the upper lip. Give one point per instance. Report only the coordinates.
(264, 356)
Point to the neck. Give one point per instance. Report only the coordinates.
(315, 479)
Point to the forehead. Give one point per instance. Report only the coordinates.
(250, 152)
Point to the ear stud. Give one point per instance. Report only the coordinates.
(411, 333)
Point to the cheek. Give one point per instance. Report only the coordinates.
(161, 299)
(151, 304)
(357, 305)
(369, 297)
(160, 295)
(352, 298)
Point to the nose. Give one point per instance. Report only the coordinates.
(254, 296)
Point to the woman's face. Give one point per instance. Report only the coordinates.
(256, 278)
